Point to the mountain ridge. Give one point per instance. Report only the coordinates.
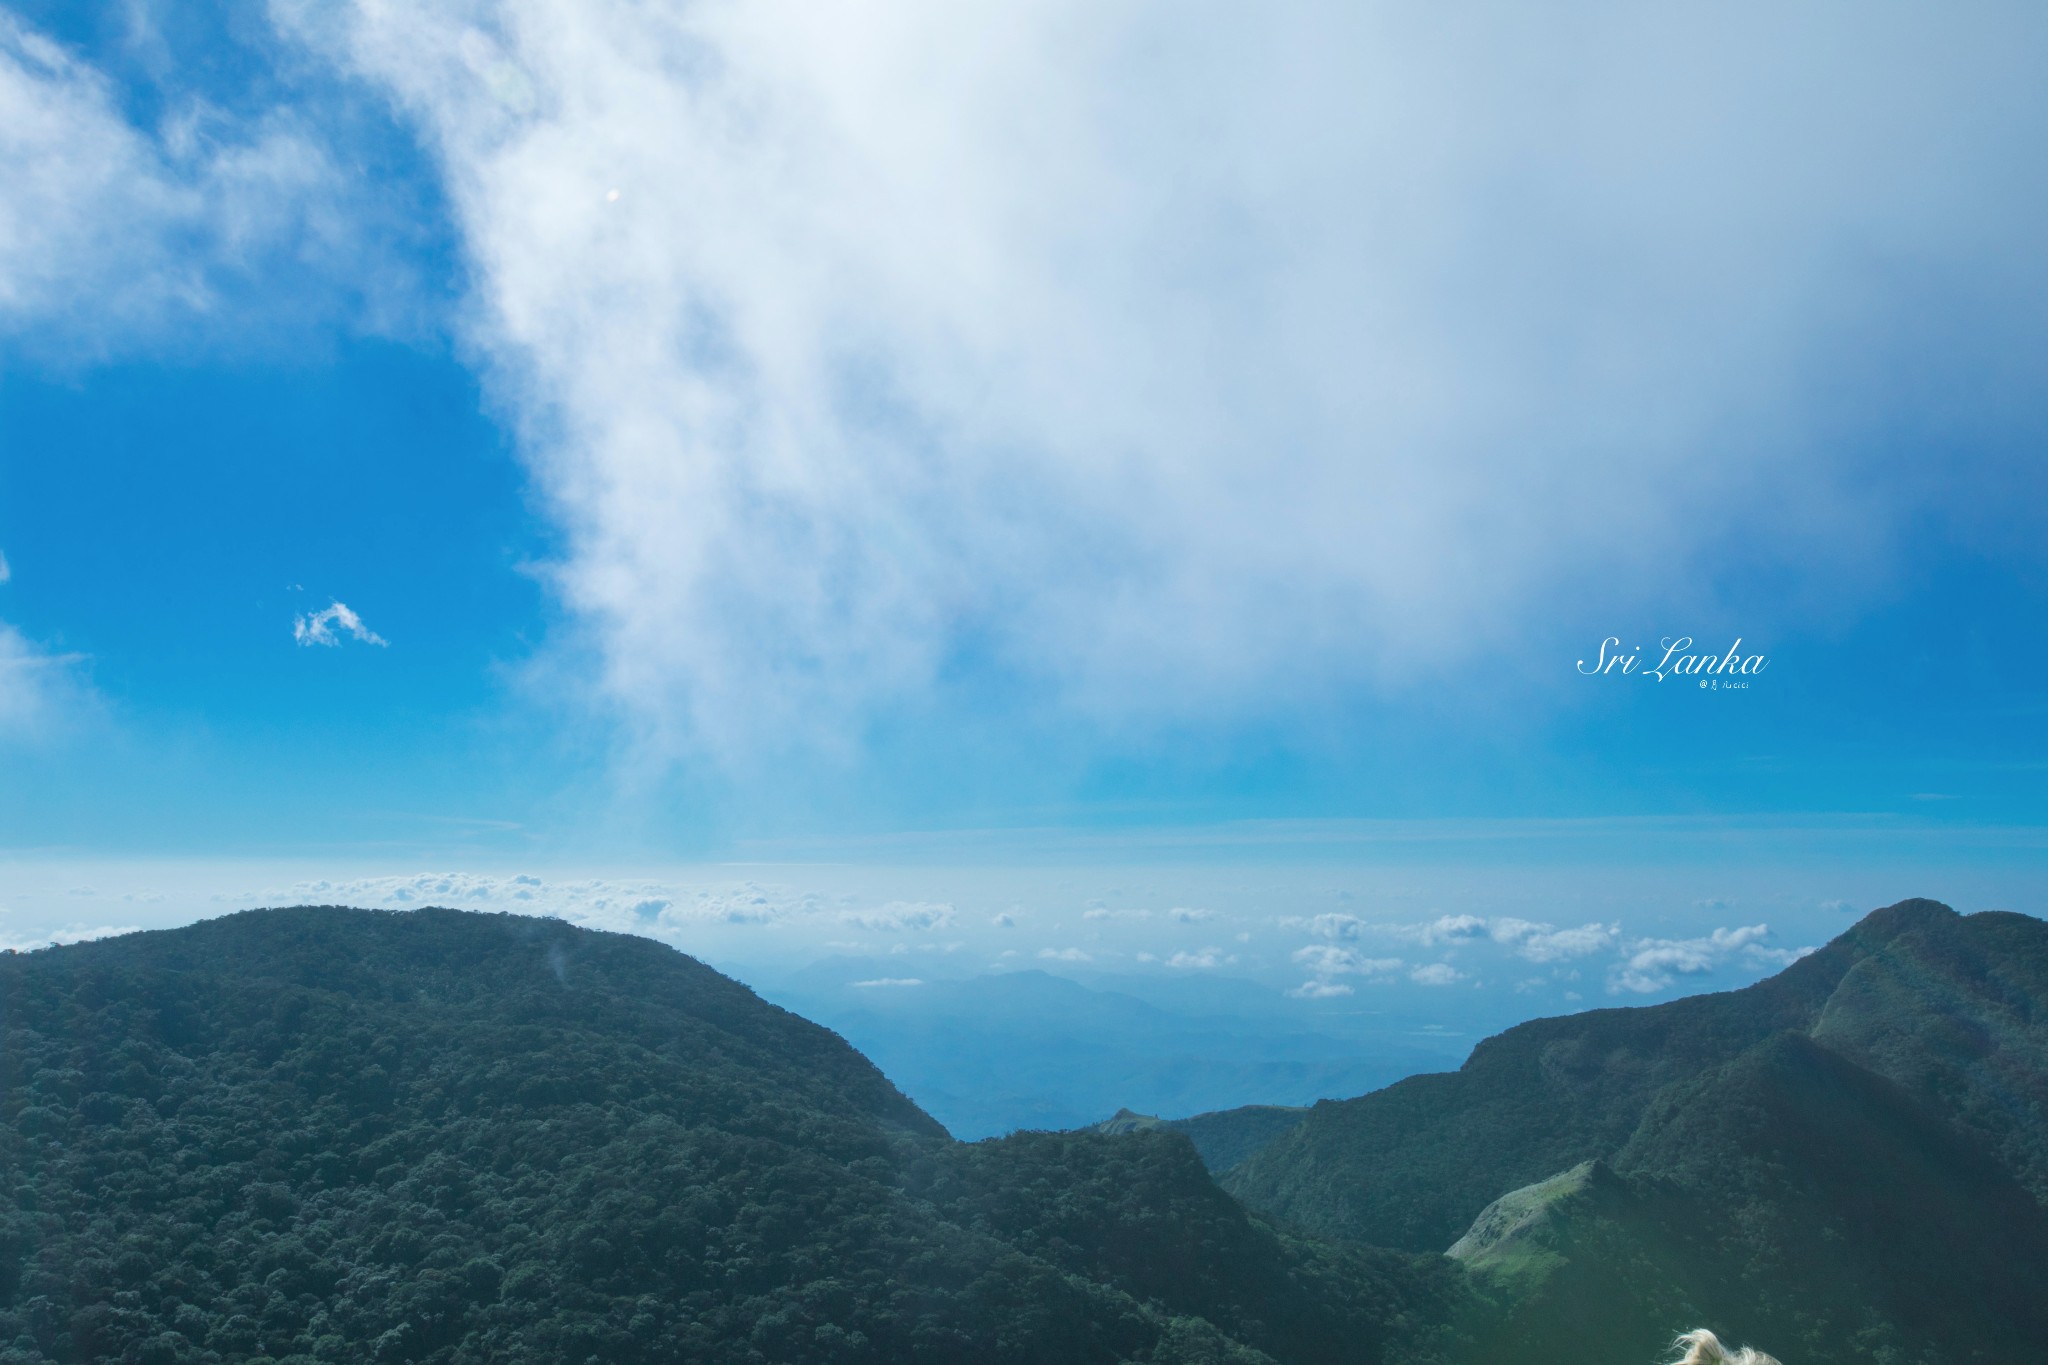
(1842, 1162)
(1412, 1164)
(329, 1135)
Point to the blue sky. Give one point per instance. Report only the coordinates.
(1074, 438)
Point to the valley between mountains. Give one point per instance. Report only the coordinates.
(326, 1134)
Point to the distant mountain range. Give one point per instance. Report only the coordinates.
(325, 1134)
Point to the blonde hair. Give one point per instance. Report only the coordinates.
(1702, 1347)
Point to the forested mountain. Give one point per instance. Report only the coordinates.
(1843, 1162)
(1955, 1009)
(340, 1135)
(337, 1135)
(1225, 1138)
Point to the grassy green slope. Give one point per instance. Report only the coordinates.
(335, 1135)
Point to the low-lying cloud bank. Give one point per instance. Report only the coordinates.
(1346, 953)
(1643, 966)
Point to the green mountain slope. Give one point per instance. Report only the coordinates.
(1956, 1011)
(335, 1135)
(1789, 1197)
(1412, 1165)
(1841, 1163)
(1225, 1138)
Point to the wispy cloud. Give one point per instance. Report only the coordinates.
(662, 909)
(41, 693)
(1642, 965)
(1335, 961)
(112, 235)
(901, 916)
(1541, 942)
(1326, 963)
(1443, 929)
(321, 627)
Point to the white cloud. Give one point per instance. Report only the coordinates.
(40, 692)
(1331, 961)
(1430, 933)
(1646, 965)
(886, 983)
(1004, 920)
(658, 908)
(1538, 942)
(1183, 915)
(1102, 912)
(1277, 347)
(1319, 990)
(111, 235)
(900, 916)
(319, 628)
(744, 904)
(1065, 955)
(1206, 960)
(73, 933)
(1337, 928)
(1655, 964)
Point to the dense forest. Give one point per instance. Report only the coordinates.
(339, 1135)
(324, 1134)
